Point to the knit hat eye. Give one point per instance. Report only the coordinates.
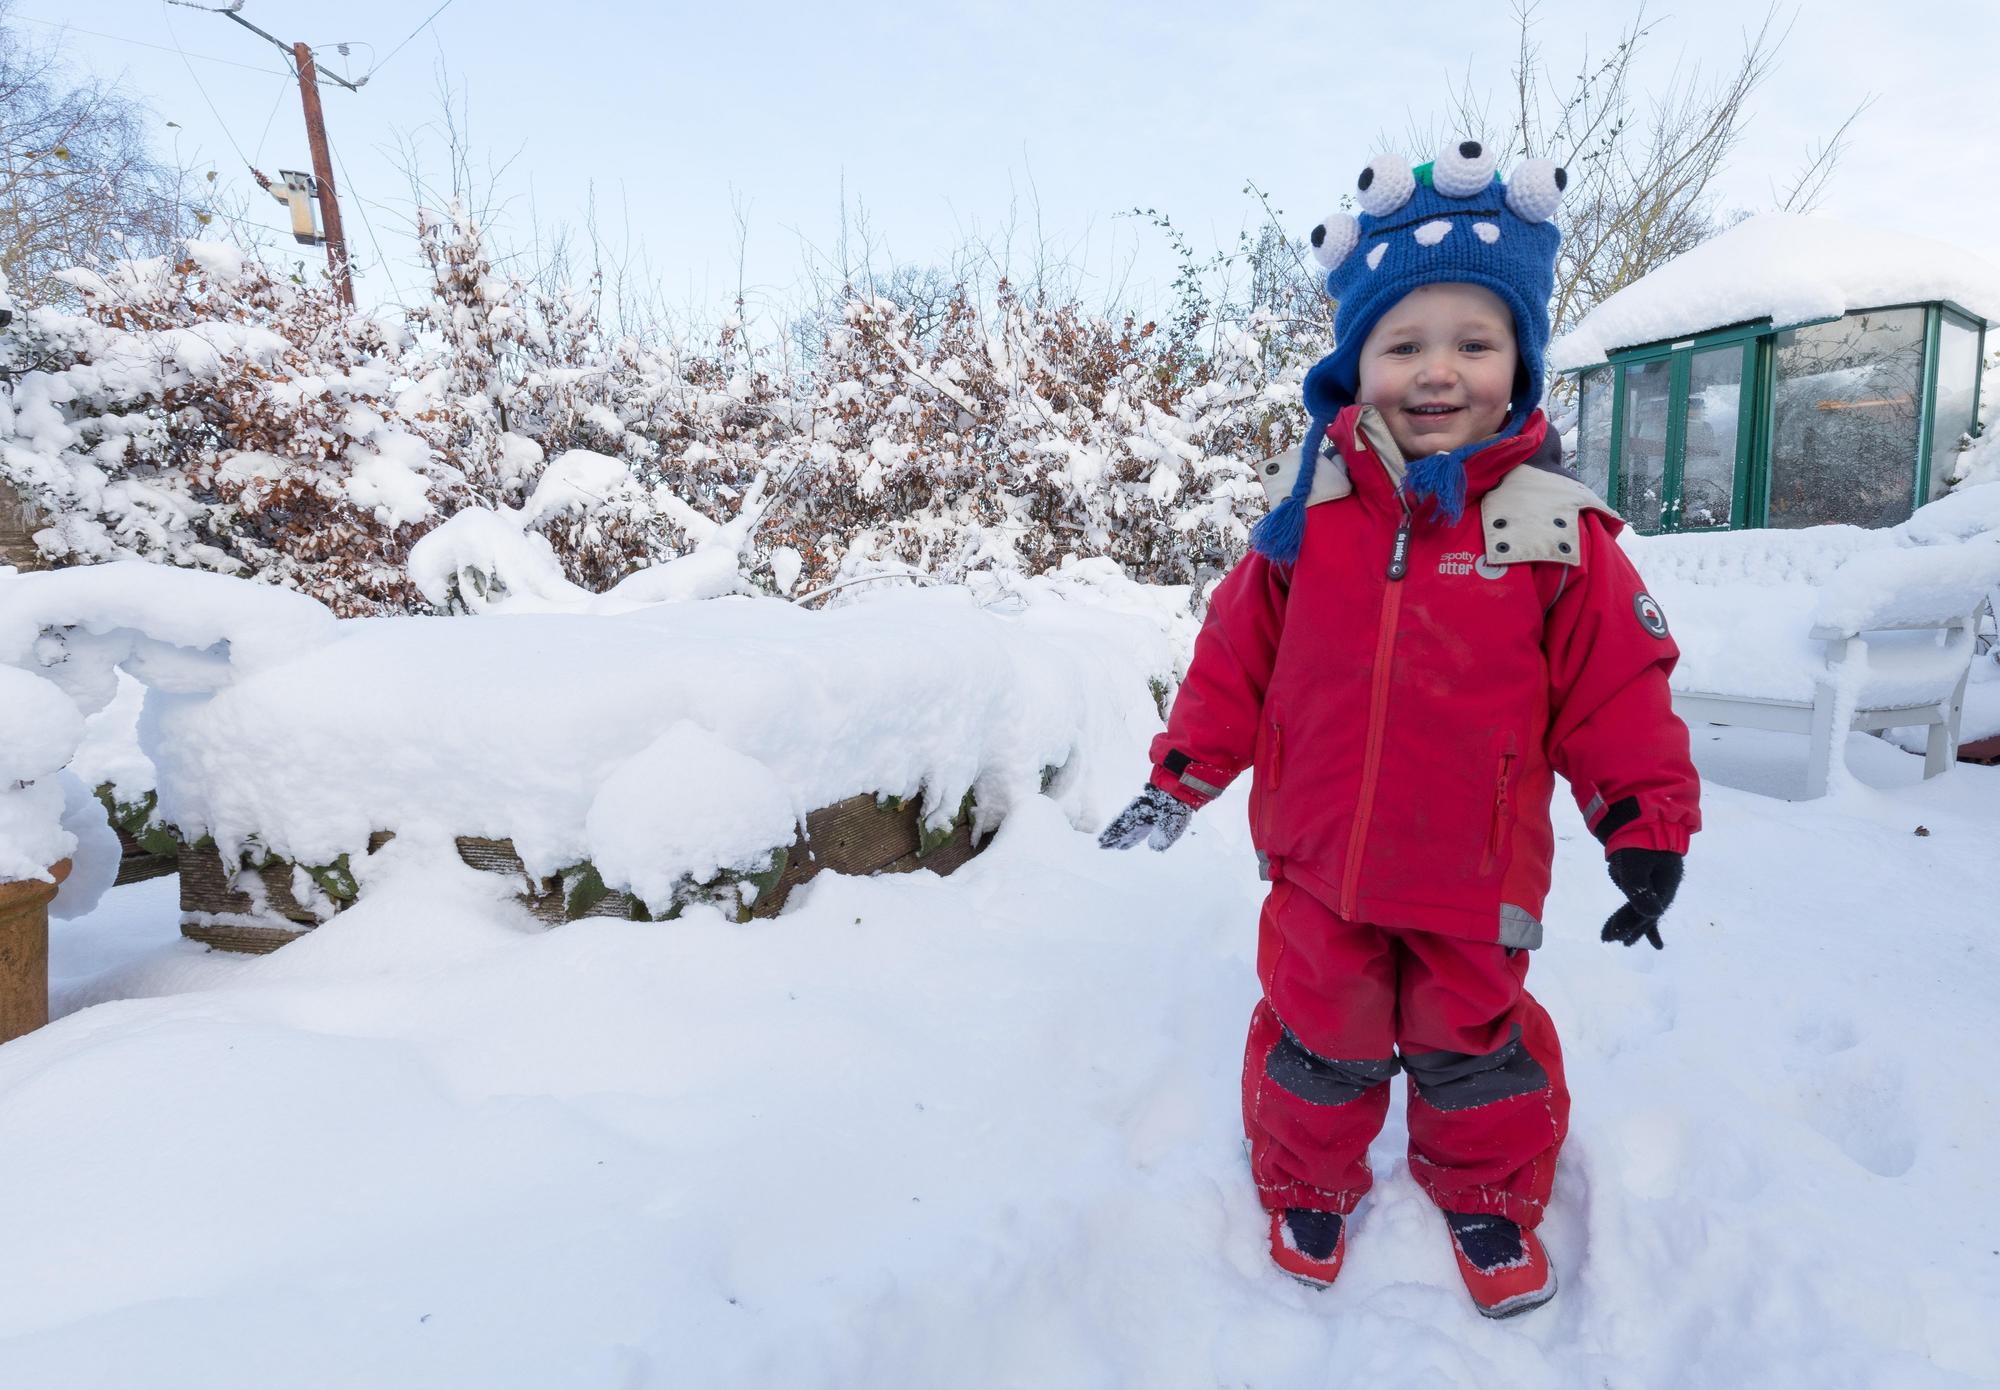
(1385, 185)
(1463, 169)
(1333, 238)
(1536, 188)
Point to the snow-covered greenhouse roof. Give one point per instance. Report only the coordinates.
(1786, 268)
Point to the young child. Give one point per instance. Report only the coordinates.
(1432, 623)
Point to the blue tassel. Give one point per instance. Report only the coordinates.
(1279, 536)
(1440, 480)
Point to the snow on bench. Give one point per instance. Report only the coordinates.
(1832, 628)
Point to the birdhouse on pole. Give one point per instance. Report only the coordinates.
(298, 192)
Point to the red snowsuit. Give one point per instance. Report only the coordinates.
(1405, 729)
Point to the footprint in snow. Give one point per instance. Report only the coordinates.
(1861, 1102)
(1825, 1034)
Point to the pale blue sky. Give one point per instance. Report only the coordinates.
(936, 117)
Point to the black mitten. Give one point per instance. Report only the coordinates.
(1648, 878)
(1153, 816)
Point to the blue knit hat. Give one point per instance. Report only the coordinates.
(1452, 220)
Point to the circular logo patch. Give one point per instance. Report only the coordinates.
(1650, 616)
(1486, 569)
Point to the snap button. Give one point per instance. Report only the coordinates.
(1273, 467)
(1561, 522)
(1563, 546)
(1498, 522)
(1502, 547)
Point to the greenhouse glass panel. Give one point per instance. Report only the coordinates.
(1956, 410)
(1708, 451)
(1844, 420)
(1642, 446)
(1593, 434)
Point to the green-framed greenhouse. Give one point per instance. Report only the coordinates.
(1791, 372)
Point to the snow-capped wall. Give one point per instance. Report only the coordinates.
(671, 741)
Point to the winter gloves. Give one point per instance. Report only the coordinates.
(1647, 878)
(1153, 816)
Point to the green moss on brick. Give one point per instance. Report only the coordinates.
(336, 880)
(582, 889)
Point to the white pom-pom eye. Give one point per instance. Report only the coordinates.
(1536, 189)
(1385, 185)
(1463, 169)
(1334, 238)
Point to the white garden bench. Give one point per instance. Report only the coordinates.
(1824, 631)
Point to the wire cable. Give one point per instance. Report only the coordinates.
(203, 90)
(120, 38)
(361, 206)
(283, 87)
(399, 47)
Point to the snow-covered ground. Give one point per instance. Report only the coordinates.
(982, 1130)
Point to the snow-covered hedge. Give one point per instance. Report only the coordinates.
(205, 411)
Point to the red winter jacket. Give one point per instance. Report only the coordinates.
(1405, 731)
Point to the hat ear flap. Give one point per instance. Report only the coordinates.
(1334, 238)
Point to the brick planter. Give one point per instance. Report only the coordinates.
(24, 953)
(861, 835)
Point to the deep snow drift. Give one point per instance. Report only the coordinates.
(982, 1131)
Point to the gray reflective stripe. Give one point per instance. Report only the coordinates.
(1462, 1080)
(1188, 779)
(1596, 806)
(1518, 928)
(1321, 1080)
(1263, 866)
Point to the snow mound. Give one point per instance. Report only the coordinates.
(1783, 267)
(667, 742)
(175, 629)
(41, 731)
(42, 727)
(690, 803)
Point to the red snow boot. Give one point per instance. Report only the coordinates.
(1309, 1245)
(1505, 1268)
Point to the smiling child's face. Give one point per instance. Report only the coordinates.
(1439, 366)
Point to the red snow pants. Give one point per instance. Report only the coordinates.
(1345, 1006)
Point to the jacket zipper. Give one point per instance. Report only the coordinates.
(1493, 834)
(1266, 794)
(1378, 706)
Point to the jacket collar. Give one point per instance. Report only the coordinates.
(1376, 465)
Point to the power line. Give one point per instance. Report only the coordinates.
(284, 85)
(120, 38)
(361, 206)
(203, 90)
(399, 47)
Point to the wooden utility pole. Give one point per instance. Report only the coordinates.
(329, 202)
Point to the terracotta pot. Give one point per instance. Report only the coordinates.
(24, 953)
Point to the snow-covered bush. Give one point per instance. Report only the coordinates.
(204, 411)
(1032, 432)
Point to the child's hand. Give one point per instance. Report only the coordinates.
(1648, 878)
(1153, 816)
